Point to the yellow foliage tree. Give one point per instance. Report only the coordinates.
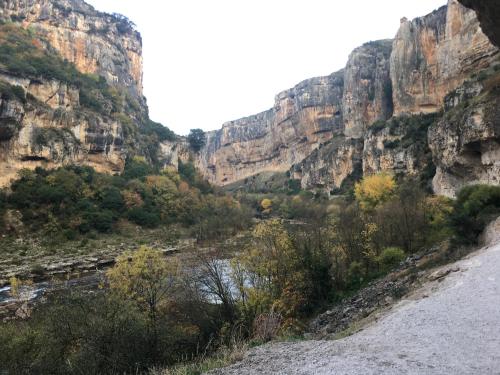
(146, 277)
(266, 205)
(276, 276)
(374, 190)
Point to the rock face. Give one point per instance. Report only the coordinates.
(45, 131)
(334, 129)
(466, 141)
(302, 118)
(50, 126)
(367, 87)
(397, 149)
(329, 166)
(326, 131)
(99, 43)
(433, 55)
(488, 13)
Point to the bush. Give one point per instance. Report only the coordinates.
(112, 199)
(266, 326)
(391, 144)
(374, 190)
(474, 208)
(390, 258)
(102, 221)
(197, 139)
(9, 92)
(162, 132)
(144, 217)
(137, 167)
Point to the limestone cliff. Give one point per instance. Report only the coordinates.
(44, 130)
(488, 13)
(466, 141)
(367, 87)
(302, 118)
(404, 79)
(96, 42)
(76, 75)
(433, 55)
(325, 131)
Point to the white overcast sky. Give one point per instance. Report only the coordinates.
(208, 62)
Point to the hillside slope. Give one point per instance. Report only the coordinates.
(447, 327)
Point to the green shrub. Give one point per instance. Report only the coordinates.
(103, 221)
(162, 132)
(475, 206)
(144, 217)
(390, 258)
(112, 199)
(137, 167)
(355, 274)
(378, 126)
(10, 92)
(197, 139)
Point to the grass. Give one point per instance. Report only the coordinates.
(222, 358)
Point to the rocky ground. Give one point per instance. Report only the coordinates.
(450, 325)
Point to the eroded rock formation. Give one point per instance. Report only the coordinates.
(48, 125)
(45, 131)
(302, 118)
(433, 55)
(342, 127)
(95, 42)
(326, 131)
(367, 87)
(466, 141)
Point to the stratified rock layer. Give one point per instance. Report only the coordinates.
(312, 128)
(302, 118)
(367, 87)
(433, 55)
(95, 42)
(46, 131)
(466, 141)
(50, 127)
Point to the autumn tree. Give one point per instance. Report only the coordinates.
(374, 190)
(275, 277)
(266, 205)
(147, 278)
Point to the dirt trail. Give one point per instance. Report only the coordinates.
(450, 326)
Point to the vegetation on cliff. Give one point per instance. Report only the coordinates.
(25, 54)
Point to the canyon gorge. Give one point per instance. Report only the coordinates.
(423, 104)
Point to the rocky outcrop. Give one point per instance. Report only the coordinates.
(99, 43)
(329, 166)
(466, 142)
(302, 118)
(433, 55)
(367, 87)
(45, 131)
(399, 146)
(52, 116)
(488, 13)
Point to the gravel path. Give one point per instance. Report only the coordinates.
(450, 326)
